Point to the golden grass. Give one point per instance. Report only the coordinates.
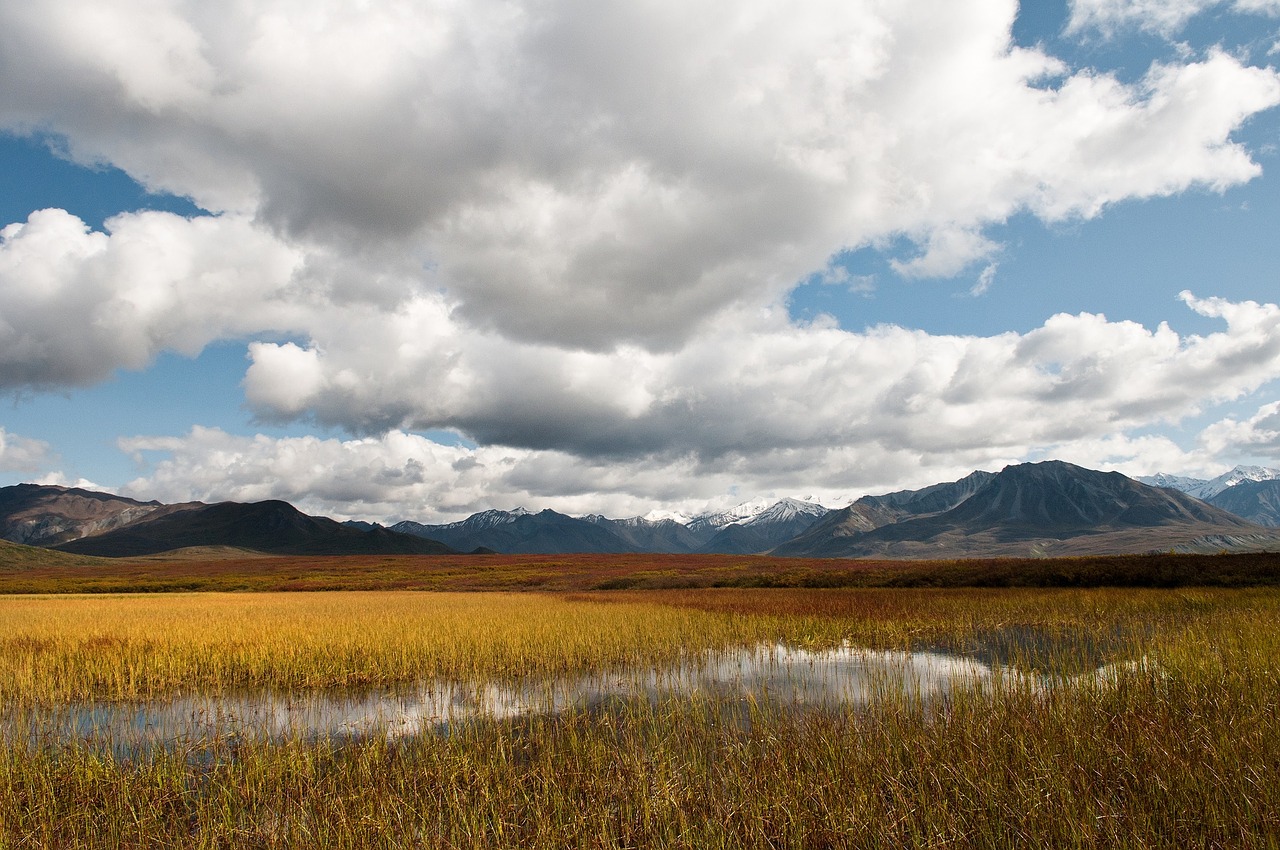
(1180, 751)
(127, 647)
(139, 646)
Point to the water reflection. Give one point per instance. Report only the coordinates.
(780, 676)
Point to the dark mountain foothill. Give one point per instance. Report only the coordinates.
(1256, 501)
(271, 526)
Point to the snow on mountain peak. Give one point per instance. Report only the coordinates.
(786, 509)
(1202, 489)
(759, 510)
(658, 515)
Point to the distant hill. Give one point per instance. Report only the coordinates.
(1049, 508)
(746, 531)
(45, 515)
(645, 535)
(1037, 509)
(1256, 501)
(19, 557)
(272, 526)
(521, 532)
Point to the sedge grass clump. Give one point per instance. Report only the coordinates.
(129, 647)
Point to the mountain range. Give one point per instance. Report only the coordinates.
(1043, 509)
(521, 532)
(1206, 489)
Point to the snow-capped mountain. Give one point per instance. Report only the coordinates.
(1175, 482)
(716, 520)
(489, 519)
(647, 535)
(521, 531)
(1206, 489)
(786, 510)
(764, 529)
(772, 510)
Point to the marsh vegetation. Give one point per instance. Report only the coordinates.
(1088, 718)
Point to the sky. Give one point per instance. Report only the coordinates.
(393, 260)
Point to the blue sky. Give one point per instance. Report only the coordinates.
(618, 261)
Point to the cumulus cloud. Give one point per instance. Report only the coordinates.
(76, 304)
(400, 475)
(756, 382)
(592, 174)
(749, 408)
(567, 230)
(22, 454)
(1257, 435)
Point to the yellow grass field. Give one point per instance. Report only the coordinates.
(1176, 743)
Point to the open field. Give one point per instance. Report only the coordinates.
(27, 570)
(1146, 718)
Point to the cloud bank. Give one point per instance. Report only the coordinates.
(761, 411)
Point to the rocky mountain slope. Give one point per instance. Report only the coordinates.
(45, 515)
(872, 512)
(1256, 501)
(272, 526)
(1050, 508)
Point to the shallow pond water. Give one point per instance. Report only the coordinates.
(779, 676)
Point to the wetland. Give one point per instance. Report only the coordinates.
(677, 718)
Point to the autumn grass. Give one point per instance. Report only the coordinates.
(55, 649)
(1174, 743)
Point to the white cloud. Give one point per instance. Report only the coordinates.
(405, 476)
(586, 174)
(1146, 454)
(565, 229)
(1256, 436)
(61, 479)
(22, 454)
(1164, 17)
(754, 382)
(754, 406)
(985, 279)
(76, 304)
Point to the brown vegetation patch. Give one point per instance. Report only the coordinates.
(24, 572)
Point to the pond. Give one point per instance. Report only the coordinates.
(778, 676)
